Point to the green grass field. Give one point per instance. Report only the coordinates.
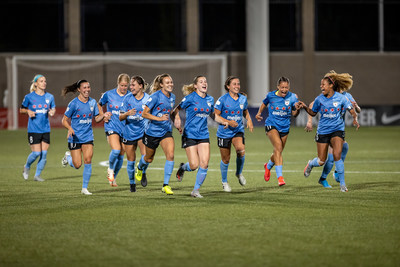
(300, 224)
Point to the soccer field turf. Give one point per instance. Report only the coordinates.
(261, 224)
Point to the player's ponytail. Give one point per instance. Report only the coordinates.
(73, 88)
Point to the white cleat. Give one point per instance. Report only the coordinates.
(226, 187)
(242, 180)
(38, 179)
(343, 188)
(196, 194)
(64, 161)
(25, 173)
(85, 191)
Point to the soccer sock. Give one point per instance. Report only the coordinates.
(345, 149)
(168, 168)
(87, 172)
(224, 171)
(31, 158)
(186, 167)
(340, 171)
(113, 158)
(270, 164)
(69, 159)
(239, 164)
(143, 164)
(328, 166)
(278, 169)
(131, 171)
(41, 163)
(314, 163)
(118, 165)
(200, 177)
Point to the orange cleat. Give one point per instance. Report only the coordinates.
(267, 173)
(281, 181)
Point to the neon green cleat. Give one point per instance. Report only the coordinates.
(167, 189)
(138, 174)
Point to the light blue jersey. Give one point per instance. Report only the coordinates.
(113, 101)
(280, 110)
(134, 124)
(159, 104)
(231, 109)
(81, 115)
(40, 104)
(332, 110)
(197, 111)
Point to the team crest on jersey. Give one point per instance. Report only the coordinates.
(241, 106)
(91, 109)
(335, 104)
(287, 102)
(47, 101)
(209, 104)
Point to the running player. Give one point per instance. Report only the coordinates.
(39, 104)
(282, 106)
(114, 127)
(309, 127)
(232, 106)
(78, 120)
(157, 110)
(196, 138)
(133, 130)
(330, 132)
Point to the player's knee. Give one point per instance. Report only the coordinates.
(240, 153)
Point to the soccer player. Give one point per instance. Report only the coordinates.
(158, 110)
(114, 127)
(282, 105)
(330, 132)
(78, 120)
(198, 106)
(232, 106)
(309, 127)
(39, 104)
(133, 130)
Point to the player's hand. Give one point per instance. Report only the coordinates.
(356, 124)
(107, 116)
(250, 126)
(164, 117)
(259, 117)
(226, 124)
(71, 132)
(131, 112)
(233, 124)
(308, 127)
(31, 113)
(52, 112)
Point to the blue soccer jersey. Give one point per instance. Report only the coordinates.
(81, 115)
(280, 110)
(159, 104)
(331, 110)
(197, 111)
(40, 104)
(113, 101)
(134, 124)
(231, 109)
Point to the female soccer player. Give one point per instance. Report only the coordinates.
(195, 138)
(157, 110)
(133, 130)
(232, 107)
(114, 127)
(329, 162)
(39, 104)
(78, 120)
(282, 105)
(330, 132)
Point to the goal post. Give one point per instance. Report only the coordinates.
(102, 72)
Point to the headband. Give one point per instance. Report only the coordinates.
(37, 77)
(333, 82)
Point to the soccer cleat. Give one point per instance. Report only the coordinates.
(38, 179)
(242, 180)
(267, 173)
(336, 176)
(324, 183)
(133, 187)
(144, 180)
(307, 169)
(281, 181)
(85, 191)
(113, 183)
(226, 187)
(138, 174)
(25, 173)
(64, 161)
(196, 194)
(343, 188)
(110, 175)
(180, 172)
(167, 189)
